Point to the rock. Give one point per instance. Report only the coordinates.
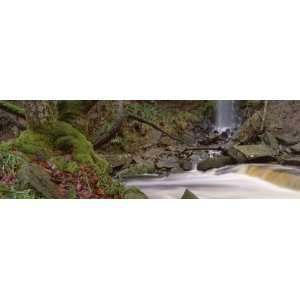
(215, 162)
(119, 160)
(292, 160)
(270, 140)
(166, 141)
(287, 140)
(152, 153)
(296, 148)
(136, 170)
(134, 193)
(167, 163)
(251, 153)
(188, 195)
(35, 177)
(249, 130)
(213, 137)
(186, 164)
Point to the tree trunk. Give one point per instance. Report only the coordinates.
(38, 112)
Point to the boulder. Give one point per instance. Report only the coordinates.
(270, 140)
(287, 140)
(188, 195)
(35, 177)
(215, 162)
(167, 163)
(251, 153)
(186, 164)
(119, 160)
(134, 193)
(292, 160)
(296, 148)
(146, 167)
(249, 130)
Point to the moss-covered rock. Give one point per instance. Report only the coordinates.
(33, 176)
(33, 143)
(251, 153)
(188, 195)
(134, 193)
(136, 170)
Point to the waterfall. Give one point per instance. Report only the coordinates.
(225, 115)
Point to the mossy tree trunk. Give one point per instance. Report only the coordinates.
(40, 113)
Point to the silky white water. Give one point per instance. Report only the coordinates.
(227, 182)
(225, 115)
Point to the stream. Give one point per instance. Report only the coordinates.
(233, 182)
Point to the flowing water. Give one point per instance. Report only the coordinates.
(241, 181)
(225, 115)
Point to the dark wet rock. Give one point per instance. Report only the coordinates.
(215, 162)
(33, 176)
(119, 160)
(287, 140)
(296, 148)
(292, 160)
(167, 163)
(134, 193)
(213, 137)
(251, 153)
(186, 164)
(188, 195)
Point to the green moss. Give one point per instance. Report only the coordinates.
(73, 112)
(65, 165)
(63, 138)
(32, 143)
(134, 193)
(12, 108)
(6, 146)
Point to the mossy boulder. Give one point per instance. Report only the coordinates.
(134, 193)
(33, 143)
(119, 160)
(33, 176)
(188, 195)
(137, 170)
(251, 153)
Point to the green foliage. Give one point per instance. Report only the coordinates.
(10, 163)
(64, 165)
(12, 193)
(145, 109)
(12, 108)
